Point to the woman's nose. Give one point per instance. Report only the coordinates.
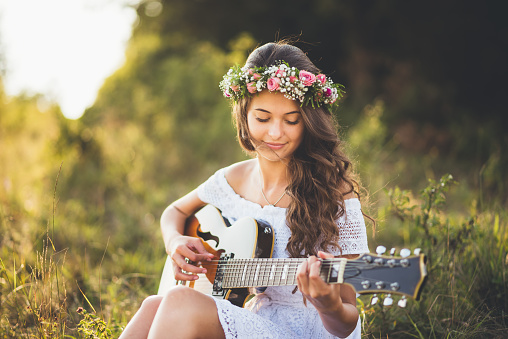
(275, 131)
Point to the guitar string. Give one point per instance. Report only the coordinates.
(290, 280)
(268, 270)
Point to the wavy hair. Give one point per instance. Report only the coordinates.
(319, 172)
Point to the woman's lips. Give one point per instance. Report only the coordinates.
(274, 146)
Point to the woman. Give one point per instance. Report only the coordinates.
(299, 182)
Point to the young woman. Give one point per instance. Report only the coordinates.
(299, 182)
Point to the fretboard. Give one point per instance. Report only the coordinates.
(261, 272)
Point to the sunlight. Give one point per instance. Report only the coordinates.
(63, 49)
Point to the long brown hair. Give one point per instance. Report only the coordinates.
(319, 171)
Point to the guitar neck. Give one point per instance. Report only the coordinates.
(368, 273)
(261, 272)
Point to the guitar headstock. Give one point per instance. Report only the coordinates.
(378, 273)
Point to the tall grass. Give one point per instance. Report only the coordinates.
(466, 292)
(61, 257)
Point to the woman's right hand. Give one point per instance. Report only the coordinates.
(183, 247)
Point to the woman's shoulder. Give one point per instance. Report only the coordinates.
(236, 173)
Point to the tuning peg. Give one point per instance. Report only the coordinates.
(388, 301)
(392, 251)
(380, 250)
(405, 252)
(374, 299)
(417, 251)
(402, 302)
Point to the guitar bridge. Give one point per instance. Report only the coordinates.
(218, 290)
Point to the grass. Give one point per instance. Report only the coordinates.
(465, 294)
(464, 297)
(68, 269)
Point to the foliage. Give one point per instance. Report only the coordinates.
(93, 327)
(467, 271)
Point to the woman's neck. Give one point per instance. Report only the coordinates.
(273, 175)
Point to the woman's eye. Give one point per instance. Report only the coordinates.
(261, 120)
(293, 122)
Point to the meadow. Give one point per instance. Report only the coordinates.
(75, 267)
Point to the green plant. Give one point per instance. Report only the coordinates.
(94, 327)
(465, 295)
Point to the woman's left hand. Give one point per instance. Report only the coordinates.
(325, 297)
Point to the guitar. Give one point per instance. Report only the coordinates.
(242, 259)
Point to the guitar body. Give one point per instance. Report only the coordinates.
(247, 238)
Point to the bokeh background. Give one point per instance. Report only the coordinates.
(426, 81)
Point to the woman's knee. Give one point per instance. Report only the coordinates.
(151, 302)
(186, 300)
(180, 294)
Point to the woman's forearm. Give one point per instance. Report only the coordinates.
(341, 321)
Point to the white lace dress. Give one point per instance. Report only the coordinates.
(277, 313)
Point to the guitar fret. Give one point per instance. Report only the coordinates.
(293, 273)
(285, 272)
(244, 271)
(256, 274)
(251, 273)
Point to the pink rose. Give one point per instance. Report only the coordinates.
(321, 78)
(235, 88)
(273, 84)
(279, 73)
(256, 76)
(327, 91)
(226, 94)
(292, 79)
(307, 78)
(251, 87)
(250, 71)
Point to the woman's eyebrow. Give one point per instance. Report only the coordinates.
(264, 110)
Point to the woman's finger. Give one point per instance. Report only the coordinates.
(179, 275)
(203, 254)
(180, 261)
(302, 277)
(188, 252)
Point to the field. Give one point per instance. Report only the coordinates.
(81, 248)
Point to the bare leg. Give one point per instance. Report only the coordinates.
(186, 313)
(140, 324)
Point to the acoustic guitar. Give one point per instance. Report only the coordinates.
(242, 259)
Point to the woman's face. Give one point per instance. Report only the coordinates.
(275, 125)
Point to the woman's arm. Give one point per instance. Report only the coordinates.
(179, 246)
(335, 303)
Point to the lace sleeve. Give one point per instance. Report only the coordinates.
(210, 191)
(352, 230)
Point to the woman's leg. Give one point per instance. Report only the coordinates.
(140, 324)
(186, 313)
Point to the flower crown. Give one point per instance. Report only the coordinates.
(308, 88)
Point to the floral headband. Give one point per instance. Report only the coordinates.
(308, 88)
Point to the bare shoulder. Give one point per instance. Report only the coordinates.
(237, 173)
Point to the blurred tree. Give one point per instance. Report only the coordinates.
(439, 67)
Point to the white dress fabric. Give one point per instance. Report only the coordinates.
(277, 312)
